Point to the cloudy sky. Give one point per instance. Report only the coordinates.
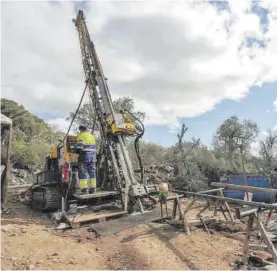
(192, 62)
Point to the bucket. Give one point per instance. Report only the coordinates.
(163, 189)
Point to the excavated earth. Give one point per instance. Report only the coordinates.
(29, 241)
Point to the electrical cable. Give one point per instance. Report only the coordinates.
(74, 116)
(76, 112)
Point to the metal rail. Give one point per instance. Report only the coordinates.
(237, 201)
(244, 188)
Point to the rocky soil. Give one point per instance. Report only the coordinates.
(23, 176)
(30, 242)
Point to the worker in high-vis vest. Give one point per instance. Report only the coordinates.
(86, 163)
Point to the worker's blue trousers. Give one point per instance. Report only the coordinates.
(86, 170)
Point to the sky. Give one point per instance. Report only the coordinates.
(192, 62)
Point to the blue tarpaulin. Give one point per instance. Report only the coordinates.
(253, 180)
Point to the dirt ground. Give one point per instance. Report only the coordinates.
(29, 241)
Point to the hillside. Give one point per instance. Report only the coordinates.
(32, 136)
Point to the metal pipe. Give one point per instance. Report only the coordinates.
(243, 187)
(240, 214)
(237, 201)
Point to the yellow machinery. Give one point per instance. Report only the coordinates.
(116, 178)
(68, 154)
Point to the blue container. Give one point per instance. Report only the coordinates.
(253, 180)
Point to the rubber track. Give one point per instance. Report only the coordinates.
(53, 199)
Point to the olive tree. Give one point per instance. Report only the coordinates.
(268, 154)
(234, 138)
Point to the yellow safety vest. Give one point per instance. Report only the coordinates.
(86, 138)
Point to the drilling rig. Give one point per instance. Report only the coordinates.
(56, 186)
(114, 126)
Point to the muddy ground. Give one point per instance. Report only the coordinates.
(29, 241)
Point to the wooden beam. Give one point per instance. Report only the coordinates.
(240, 214)
(19, 186)
(183, 217)
(227, 207)
(267, 240)
(204, 209)
(237, 201)
(244, 188)
(188, 208)
(210, 191)
(258, 247)
(247, 238)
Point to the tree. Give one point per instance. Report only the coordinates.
(187, 170)
(235, 138)
(268, 153)
(86, 116)
(32, 138)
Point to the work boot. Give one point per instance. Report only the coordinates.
(92, 190)
(84, 191)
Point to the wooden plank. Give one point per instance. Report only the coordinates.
(237, 201)
(204, 209)
(188, 208)
(99, 194)
(19, 186)
(183, 217)
(227, 207)
(267, 240)
(94, 216)
(223, 212)
(240, 214)
(244, 188)
(203, 222)
(247, 238)
(174, 211)
(258, 247)
(210, 191)
(2, 169)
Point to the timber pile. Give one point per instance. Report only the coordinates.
(267, 231)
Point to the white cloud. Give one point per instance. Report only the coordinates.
(60, 124)
(176, 59)
(275, 104)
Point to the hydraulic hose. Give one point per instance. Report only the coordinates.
(137, 144)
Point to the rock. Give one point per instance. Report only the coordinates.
(57, 216)
(238, 254)
(31, 267)
(270, 267)
(62, 226)
(55, 254)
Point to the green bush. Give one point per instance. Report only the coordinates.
(32, 137)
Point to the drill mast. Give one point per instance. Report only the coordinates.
(113, 144)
